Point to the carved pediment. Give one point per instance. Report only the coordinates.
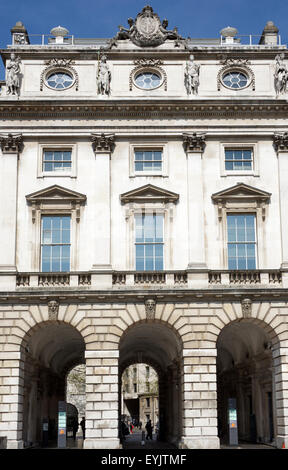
(241, 196)
(56, 198)
(241, 191)
(149, 193)
(56, 193)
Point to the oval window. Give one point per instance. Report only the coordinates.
(59, 80)
(147, 80)
(235, 80)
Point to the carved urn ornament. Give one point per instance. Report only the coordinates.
(146, 30)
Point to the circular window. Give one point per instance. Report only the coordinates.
(148, 80)
(59, 80)
(235, 80)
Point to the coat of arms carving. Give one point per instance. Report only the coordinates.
(146, 30)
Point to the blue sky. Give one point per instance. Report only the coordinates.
(95, 18)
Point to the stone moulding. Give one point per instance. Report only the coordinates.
(280, 141)
(58, 65)
(241, 193)
(11, 143)
(241, 65)
(148, 65)
(103, 143)
(143, 109)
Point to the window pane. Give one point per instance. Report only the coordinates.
(55, 241)
(149, 229)
(241, 231)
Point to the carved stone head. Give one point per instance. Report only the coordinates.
(246, 308)
(53, 308)
(150, 308)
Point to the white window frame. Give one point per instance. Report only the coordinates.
(157, 213)
(42, 244)
(240, 212)
(167, 232)
(156, 146)
(70, 173)
(241, 146)
(37, 228)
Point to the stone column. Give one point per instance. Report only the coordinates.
(11, 398)
(194, 145)
(102, 400)
(280, 355)
(281, 147)
(199, 400)
(11, 147)
(103, 145)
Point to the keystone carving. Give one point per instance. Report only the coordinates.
(246, 308)
(11, 143)
(150, 309)
(53, 309)
(280, 141)
(103, 143)
(194, 142)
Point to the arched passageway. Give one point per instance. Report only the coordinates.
(158, 346)
(49, 352)
(245, 373)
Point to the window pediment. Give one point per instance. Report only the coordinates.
(55, 197)
(241, 196)
(149, 193)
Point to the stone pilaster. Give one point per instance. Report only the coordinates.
(11, 399)
(103, 145)
(199, 400)
(11, 147)
(281, 147)
(102, 400)
(194, 145)
(281, 394)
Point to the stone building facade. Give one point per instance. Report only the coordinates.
(144, 220)
(140, 394)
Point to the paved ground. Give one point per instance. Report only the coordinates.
(134, 441)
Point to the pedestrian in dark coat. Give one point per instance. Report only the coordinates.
(82, 424)
(149, 429)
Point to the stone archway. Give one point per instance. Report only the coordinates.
(158, 344)
(245, 372)
(49, 350)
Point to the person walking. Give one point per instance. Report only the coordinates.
(82, 424)
(149, 429)
(75, 427)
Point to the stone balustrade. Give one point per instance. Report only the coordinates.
(190, 279)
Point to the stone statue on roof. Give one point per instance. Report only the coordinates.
(13, 75)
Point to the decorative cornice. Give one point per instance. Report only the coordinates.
(144, 109)
(194, 142)
(243, 193)
(280, 141)
(103, 143)
(149, 193)
(11, 143)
